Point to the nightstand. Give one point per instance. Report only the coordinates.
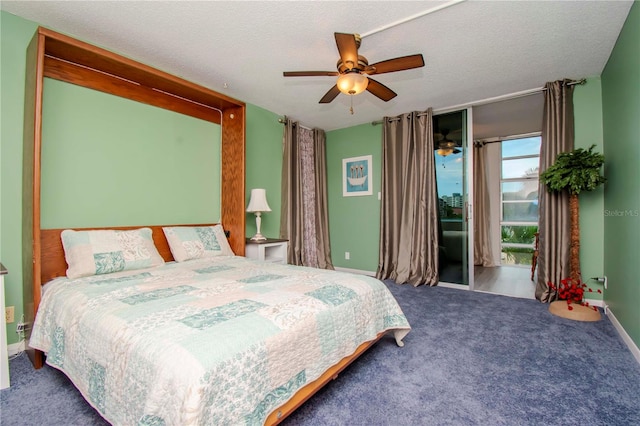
(269, 250)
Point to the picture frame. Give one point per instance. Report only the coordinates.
(357, 176)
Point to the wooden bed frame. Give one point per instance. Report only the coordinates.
(60, 57)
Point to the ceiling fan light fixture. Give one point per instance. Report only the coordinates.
(443, 152)
(352, 83)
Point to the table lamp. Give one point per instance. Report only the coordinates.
(258, 204)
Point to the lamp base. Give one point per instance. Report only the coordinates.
(258, 237)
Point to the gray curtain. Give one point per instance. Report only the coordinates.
(554, 227)
(409, 216)
(323, 251)
(304, 219)
(483, 253)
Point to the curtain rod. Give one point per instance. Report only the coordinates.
(375, 123)
(285, 119)
(483, 142)
(506, 97)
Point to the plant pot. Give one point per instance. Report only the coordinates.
(578, 313)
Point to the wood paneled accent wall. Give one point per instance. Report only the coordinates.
(60, 57)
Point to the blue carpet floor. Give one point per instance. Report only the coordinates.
(470, 359)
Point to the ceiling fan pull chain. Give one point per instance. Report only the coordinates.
(351, 108)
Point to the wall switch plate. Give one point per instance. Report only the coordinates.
(9, 314)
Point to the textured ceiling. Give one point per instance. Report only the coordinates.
(473, 50)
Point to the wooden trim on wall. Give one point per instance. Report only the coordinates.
(92, 79)
(86, 55)
(32, 137)
(232, 208)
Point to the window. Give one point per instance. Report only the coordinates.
(519, 199)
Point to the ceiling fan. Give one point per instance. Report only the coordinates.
(447, 146)
(354, 70)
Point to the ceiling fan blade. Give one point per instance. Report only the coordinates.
(310, 73)
(348, 49)
(398, 64)
(380, 90)
(330, 95)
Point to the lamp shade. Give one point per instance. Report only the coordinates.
(258, 201)
(352, 83)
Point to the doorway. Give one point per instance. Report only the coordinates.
(505, 175)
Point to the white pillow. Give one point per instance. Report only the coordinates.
(105, 251)
(196, 242)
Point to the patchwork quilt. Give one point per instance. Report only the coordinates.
(222, 340)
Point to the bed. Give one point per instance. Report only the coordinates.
(214, 340)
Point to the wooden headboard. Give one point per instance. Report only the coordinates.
(57, 56)
(53, 263)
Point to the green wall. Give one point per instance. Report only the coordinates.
(621, 113)
(587, 103)
(164, 167)
(264, 166)
(15, 35)
(354, 222)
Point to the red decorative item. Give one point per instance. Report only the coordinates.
(572, 291)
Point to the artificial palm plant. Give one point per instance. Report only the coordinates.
(575, 171)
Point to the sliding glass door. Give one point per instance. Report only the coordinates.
(452, 159)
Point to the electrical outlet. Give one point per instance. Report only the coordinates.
(21, 327)
(9, 314)
(347, 255)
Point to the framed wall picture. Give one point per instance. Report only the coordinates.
(357, 176)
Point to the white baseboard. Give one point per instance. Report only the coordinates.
(595, 302)
(635, 351)
(15, 348)
(355, 271)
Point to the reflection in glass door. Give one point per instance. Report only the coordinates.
(451, 159)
